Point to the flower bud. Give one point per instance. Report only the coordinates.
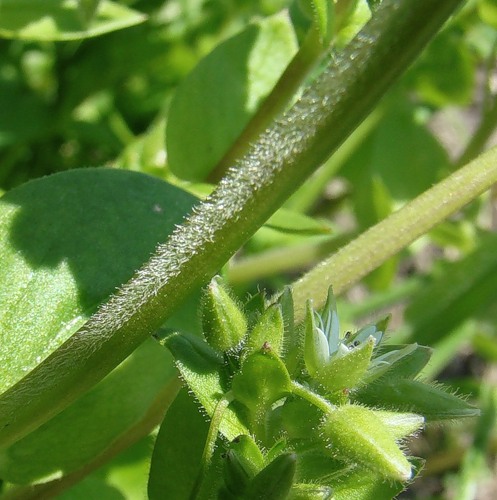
(223, 322)
(268, 330)
(316, 350)
(357, 434)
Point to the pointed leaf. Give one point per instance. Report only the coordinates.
(178, 450)
(201, 367)
(433, 402)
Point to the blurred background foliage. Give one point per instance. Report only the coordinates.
(85, 92)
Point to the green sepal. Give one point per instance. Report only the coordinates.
(248, 453)
(262, 380)
(268, 330)
(275, 480)
(292, 345)
(362, 484)
(398, 361)
(329, 322)
(236, 477)
(303, 491)
(400, 425)
(224, 324)
(202, 369)
(346, 371)
(431, 401)
(316, 349)
(356, 434)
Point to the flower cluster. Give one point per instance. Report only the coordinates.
(305, 412)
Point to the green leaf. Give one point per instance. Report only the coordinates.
(57, 20)
(288, 221)
(85, 429)
(212, 106)
(275, 480)
(487, 10)
(460, 290)
(16, 104)
(445, 72)
(358, 435)
(389, 172)
(178, 450)
(202, 368)
(433, 402)
(66, 242)
(263, 380)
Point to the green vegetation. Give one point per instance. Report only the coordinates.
(289, 147)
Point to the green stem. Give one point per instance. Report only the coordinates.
(488, 122)
(284, 259)
(482, 134)
(210, 442)
(385, 239)
(283, 157)
(274, 104)
(315, 399)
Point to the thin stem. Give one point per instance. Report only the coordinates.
(210, 442)
(283, 157)
(482, 134)
(274, 104)
(285, 258)
(315, 399)
(488, 122)
(385, 239)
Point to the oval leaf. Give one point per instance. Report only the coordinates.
(213, 105)
(66, 243)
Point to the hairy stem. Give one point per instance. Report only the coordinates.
(385, 239)
(283, 157)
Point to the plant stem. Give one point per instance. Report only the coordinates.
(284, 258)
(274, 104)
(283, 157)
(315, 399)
(385, 239)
